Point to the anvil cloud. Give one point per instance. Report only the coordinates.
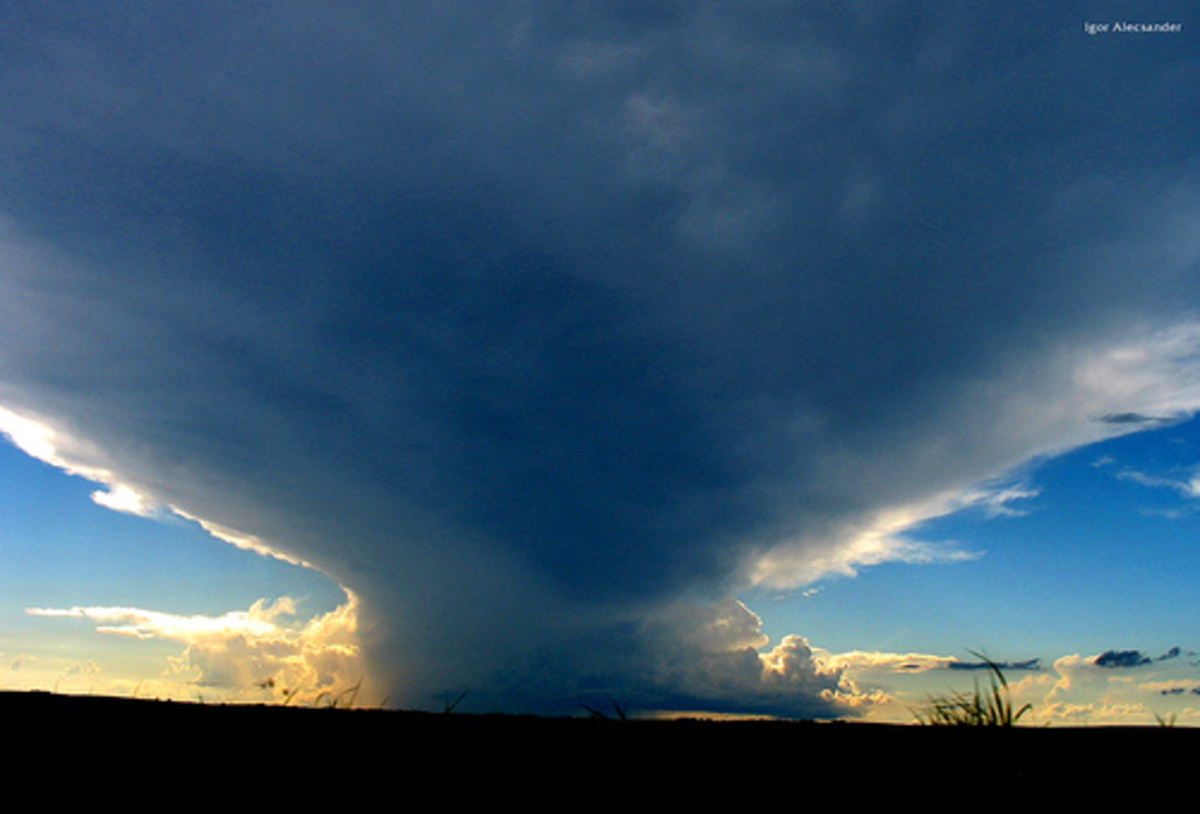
(545, 328)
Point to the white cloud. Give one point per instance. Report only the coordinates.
(1032, 413)
(244, 654)
(52, 446)
(39, 440)
(997, 503)
(862, 662)
(712, 656)
(852, 545)
(246, 542)
(122, 498)
(59, 449)
(1187, 487)
(895, 687)
(792, 664)
(146, 624)
(1086, 692)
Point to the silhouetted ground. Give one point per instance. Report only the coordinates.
(471, 756)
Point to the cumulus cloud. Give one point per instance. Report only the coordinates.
(713, 658)
(529, 322)
(245, 652)
(1120, 686)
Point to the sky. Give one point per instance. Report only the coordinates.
(735, 358)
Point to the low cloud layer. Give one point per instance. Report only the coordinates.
(535, 324)
(261, 653)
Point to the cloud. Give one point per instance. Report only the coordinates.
(1131, 658)
(712, 659)
(527, 323)
(892, 662)
(143, 624)
(1134, 418)
(41, 442)
(1005, 666)
(1188, 488)
(997, 502)
(1073, 690)
(1120, 686)
(921, 662)
(245, 652)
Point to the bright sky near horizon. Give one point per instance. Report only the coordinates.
(736, 358)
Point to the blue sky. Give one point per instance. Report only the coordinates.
(732, 357)
(1099, 554)
(61, 549)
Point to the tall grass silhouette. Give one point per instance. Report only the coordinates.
(990, 707)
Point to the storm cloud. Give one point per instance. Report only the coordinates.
(533, 324)
(1132, 658)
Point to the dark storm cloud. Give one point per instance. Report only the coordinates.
(1028, 664)
(524, 319)
(1132, 658)
(1122, 658)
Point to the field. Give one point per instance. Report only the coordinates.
(468, 754)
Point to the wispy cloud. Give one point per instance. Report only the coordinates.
(999, 502)
(144, 624)
(1188, 487)
(1005, 666)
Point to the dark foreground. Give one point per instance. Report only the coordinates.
(468, 754)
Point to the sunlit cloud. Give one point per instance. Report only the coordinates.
(1072, 691)
(717, 658)
(845, 549)
(51, 446)
(247, 542)
(122, 498)
(1121, 686)
(144, 624)
(1174, 687)
(244, 653)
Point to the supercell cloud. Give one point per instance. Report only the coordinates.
(545, 328)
